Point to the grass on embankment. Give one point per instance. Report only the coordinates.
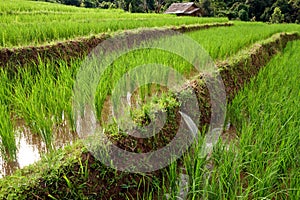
(220, 42)
(225, 177)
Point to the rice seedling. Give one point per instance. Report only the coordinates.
(269, 127)
(8, 143)
(42, 97)
(223, 42)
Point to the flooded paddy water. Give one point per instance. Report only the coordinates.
(31, 147)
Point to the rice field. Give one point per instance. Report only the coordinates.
(41, 95)
(36, 23)
(222, 42)
(258, 155)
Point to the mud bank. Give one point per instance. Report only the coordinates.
(236, 71)
(72, 49)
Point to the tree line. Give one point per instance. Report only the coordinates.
(276, 11)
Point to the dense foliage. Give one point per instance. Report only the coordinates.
(255, 10)
(258, 10)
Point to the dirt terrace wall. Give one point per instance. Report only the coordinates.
(238, 70)
(71, 49)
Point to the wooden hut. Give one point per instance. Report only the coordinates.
(184, 9)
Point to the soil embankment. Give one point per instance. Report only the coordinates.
(13, 58)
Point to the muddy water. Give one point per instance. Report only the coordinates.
(30, 147)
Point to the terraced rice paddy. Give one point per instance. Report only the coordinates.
(257, 156)
(32, 23)
(259, 153)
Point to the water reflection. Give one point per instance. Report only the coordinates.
(30, 147)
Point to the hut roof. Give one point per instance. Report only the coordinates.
(182, 8)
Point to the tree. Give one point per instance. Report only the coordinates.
(243, 15)
(206, 7)
(277, 16)
(158, 5)
(219, 7)
(130, 8)
(90, 3)
(257, 8)
(295, 10)
(121, 4)
(286, 9)
(72, 2)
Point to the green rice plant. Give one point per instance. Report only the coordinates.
(40, 22)
(8, 144)
(223, 42)
(214, 40)
(42, 97)
(220, 42)
(268, 129)
(135, 59)
(263, 161)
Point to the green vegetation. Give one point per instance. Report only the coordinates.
(277, 17)
(8, 144)
(258, 159)
(223, 42)
(35, 23)
(256, 10)
(41, 95)
(265, 113)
